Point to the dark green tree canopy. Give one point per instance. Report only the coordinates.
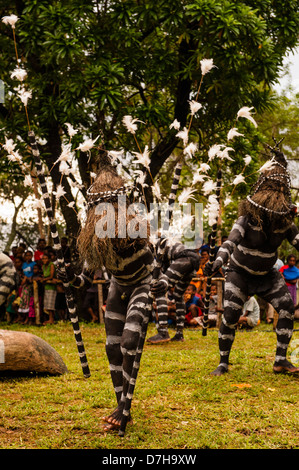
(90, 63)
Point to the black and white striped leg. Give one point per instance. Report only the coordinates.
(280, 298)
(126, 319)
(140, 308)
(60, 259)
(235, 296)
(212, 257)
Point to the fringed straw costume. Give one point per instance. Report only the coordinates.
(130, 263)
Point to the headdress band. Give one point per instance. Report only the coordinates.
(105, 195)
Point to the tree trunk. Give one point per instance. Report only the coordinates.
(13, 231)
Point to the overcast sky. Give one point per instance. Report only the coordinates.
(293, 60)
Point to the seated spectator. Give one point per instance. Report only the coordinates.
(251, 314)
(194, 305)
(213, 309)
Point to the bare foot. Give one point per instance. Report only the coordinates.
(219, 371)
(284, 367)
(113, 421)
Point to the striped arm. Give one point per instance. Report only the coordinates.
(211, 260)
(171, 200)
(172, 196)
(60, 259)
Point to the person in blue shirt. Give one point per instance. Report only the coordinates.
(193, 303)
(28, 264)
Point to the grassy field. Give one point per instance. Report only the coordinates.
(177, 404)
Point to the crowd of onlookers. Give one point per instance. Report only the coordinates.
(39, 297)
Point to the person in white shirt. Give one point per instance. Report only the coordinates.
(251, 314)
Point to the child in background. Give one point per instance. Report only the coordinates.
(251, 314)
(28, 264)
(37, 296)
(11, 308)
(27, 305)
(194, 305)
(50, 288)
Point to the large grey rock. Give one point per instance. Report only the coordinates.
(25, 352)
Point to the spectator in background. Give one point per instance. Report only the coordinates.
(291, 273)
(269, 309)
(13, 253)
(41, 245)
(50, 288)
(20, 252)
(91, 301)
(213, 309)
(37, 295)
(23, 309)
(11, 309)
(194, 305)
(27, 288)
(28, 264)
(204, 257)
(251, 314)
(18, 263)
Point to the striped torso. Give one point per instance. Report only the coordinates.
(252, 249)
(130, 266)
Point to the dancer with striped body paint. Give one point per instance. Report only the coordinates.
(7, 277)
(211, 260)
(175, 266)
(266, 219)
(130, 263)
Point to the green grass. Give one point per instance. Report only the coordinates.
(177, 404)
